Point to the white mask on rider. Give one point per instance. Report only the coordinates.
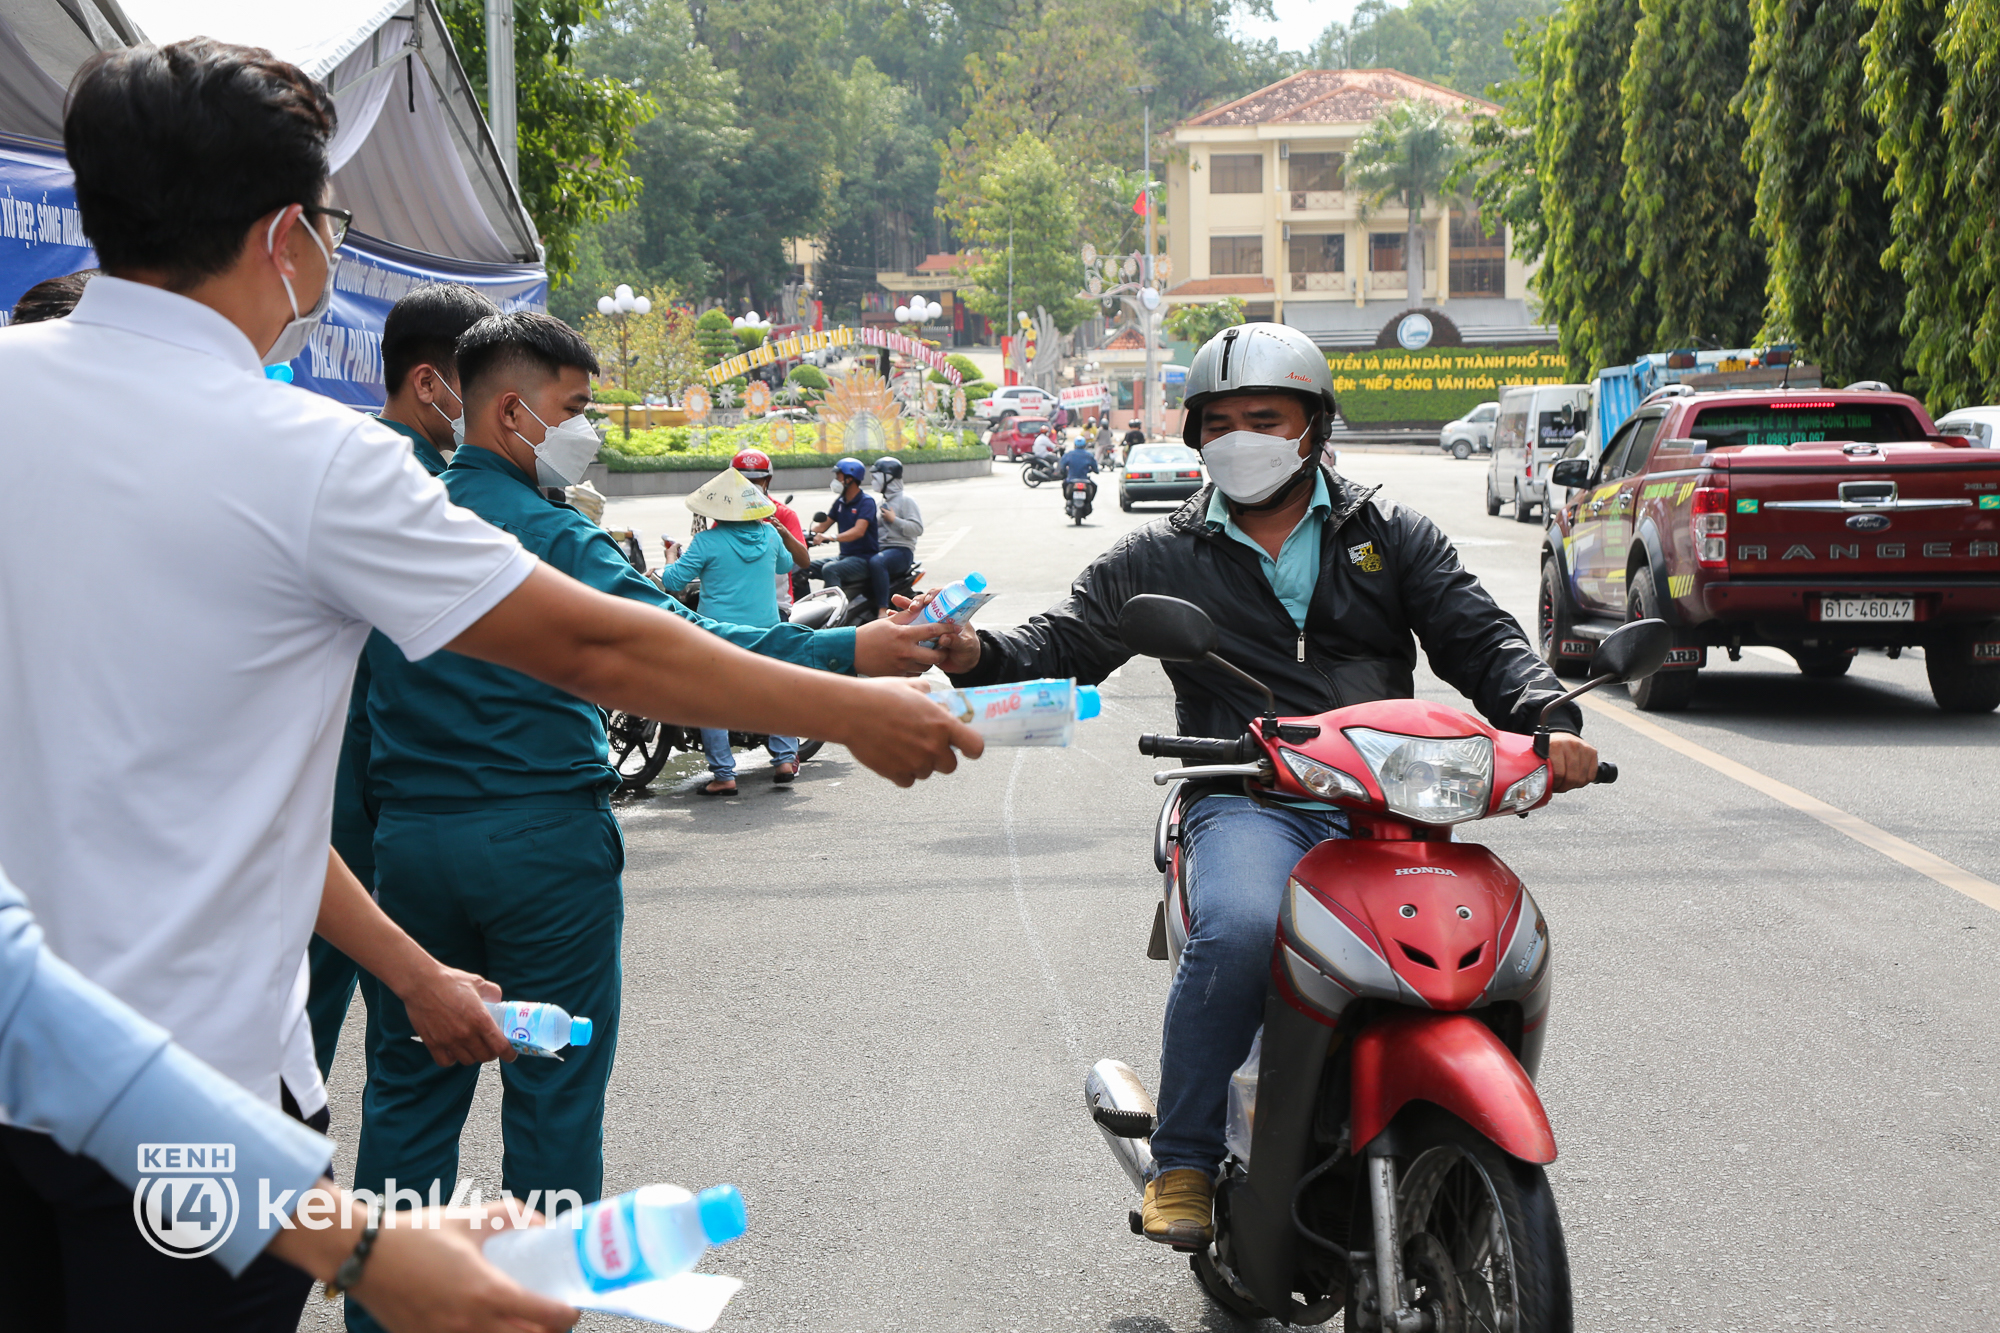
(1249, 466)
(292, 339)
(565, 451)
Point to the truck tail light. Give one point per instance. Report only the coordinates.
(1711, 526)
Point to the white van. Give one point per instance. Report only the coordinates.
(1535, 426)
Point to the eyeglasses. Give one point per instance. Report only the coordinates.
(340, 219)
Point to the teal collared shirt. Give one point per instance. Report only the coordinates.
(1295, 572)
(454, 732)
(428, 457)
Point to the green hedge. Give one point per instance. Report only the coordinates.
(1428, 388)
(666, 441)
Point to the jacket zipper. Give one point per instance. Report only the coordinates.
(1302, 645)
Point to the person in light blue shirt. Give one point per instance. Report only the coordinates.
(84, 1076)
(735, 558)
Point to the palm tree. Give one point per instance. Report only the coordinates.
(1406, 157)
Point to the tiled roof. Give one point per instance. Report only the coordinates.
(1329, 96)
(1235, 284)
(1127, 339)
(944, 263)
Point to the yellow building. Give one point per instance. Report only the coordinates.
(1258, 208)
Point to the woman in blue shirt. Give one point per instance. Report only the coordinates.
(735, 558)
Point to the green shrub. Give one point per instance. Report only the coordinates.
(810, 377)
(748, 338)
(666, 449)
(977, 390)
(968, 370)
(624, 397)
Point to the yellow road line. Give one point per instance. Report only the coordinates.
(1855, 827)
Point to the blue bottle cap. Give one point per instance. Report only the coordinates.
(1088, 704)
(976, 582)
(721, 1210)
(281, 371)
(579, 1031)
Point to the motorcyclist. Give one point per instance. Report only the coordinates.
(756, 465)
(902, 522)
(1135, 434)
(1317, 587)
(1077, 466)
(855, 524)
(1045, 446)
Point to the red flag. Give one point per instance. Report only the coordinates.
(1143, 204)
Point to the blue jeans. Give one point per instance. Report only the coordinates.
(722, 760)
(885, 567)
(1239, 856)
(835, 573)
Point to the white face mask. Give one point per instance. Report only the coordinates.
(1249, 466)
(457, 422)
(565, 451)
(292, 339)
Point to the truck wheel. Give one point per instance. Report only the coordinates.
(1461, 450)
(1959, 684)
(1664, 691)
(1822, 663)
(1556, 621)
(1492, 498)
(1524, 508)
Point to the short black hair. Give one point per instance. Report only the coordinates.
(520, 339)
(425, 326)
(178, 149)
(51, 298)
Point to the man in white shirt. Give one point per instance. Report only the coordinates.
(170, 710)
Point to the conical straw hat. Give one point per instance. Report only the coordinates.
(729, 497)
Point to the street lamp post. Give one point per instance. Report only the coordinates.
(621, 303)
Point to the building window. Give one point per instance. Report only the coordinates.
(1385, 252)
(1319, 254)
(1478, 257)
(1236, 173)
(1235, 254)
(1315, 171)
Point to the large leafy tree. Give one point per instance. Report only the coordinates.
(574, 128)
(1459, 43)
(1026, 213)
(1589, 284)
(1407, 157)
(1498, 169)
(1909, 90)
(1822, 204)
(1972, 172)
(882, 213)
(1689, 199)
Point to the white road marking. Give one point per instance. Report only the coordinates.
(1896, 849)
(1065, 1012)
(938, 552)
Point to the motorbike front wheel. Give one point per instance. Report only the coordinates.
(1481, 1236)
(1033, 475)
(639, 747)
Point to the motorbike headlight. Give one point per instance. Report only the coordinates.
(1436, 781)
(1320, 780)
(1525, 792)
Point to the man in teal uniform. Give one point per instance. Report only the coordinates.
(420, 370)
(495, 846)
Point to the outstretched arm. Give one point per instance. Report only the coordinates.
(1078, 636)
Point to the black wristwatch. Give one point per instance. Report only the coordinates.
(349, 1271)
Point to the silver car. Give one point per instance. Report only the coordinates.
(1471, 433)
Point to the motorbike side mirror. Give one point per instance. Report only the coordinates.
(1573, 473)
(1633, 651)
(820, 517)
(1167, 628)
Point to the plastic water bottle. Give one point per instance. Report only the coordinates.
(955, 605)
(1030, 712)
(647, 1235)
(538, 1029)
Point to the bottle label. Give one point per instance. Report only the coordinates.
(607, 1245)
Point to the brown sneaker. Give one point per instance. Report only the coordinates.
(1180, 1209)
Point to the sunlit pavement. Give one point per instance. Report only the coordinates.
(1771, 1069)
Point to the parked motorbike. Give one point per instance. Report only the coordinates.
(1077, 498)
(1387, 1143)
(1040, 468)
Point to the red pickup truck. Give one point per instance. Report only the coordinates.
(1818, 522)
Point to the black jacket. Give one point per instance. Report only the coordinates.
(1386, 574)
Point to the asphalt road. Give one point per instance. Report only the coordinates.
(1772, 1060)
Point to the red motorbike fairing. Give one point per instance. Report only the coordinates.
(1429, 912)
(1453, 1061)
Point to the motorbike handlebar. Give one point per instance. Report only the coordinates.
(1606, 771)
(1242, 750)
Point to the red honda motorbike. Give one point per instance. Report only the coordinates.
(1387, 1144)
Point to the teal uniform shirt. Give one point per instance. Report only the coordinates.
(455, 733)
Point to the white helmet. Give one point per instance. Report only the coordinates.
(1255, 358)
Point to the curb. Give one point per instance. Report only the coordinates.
(621, 484)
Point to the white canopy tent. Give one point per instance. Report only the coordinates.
(413, 157)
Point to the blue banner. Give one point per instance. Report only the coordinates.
(343, 358)
(41, 236)
(41, 232)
